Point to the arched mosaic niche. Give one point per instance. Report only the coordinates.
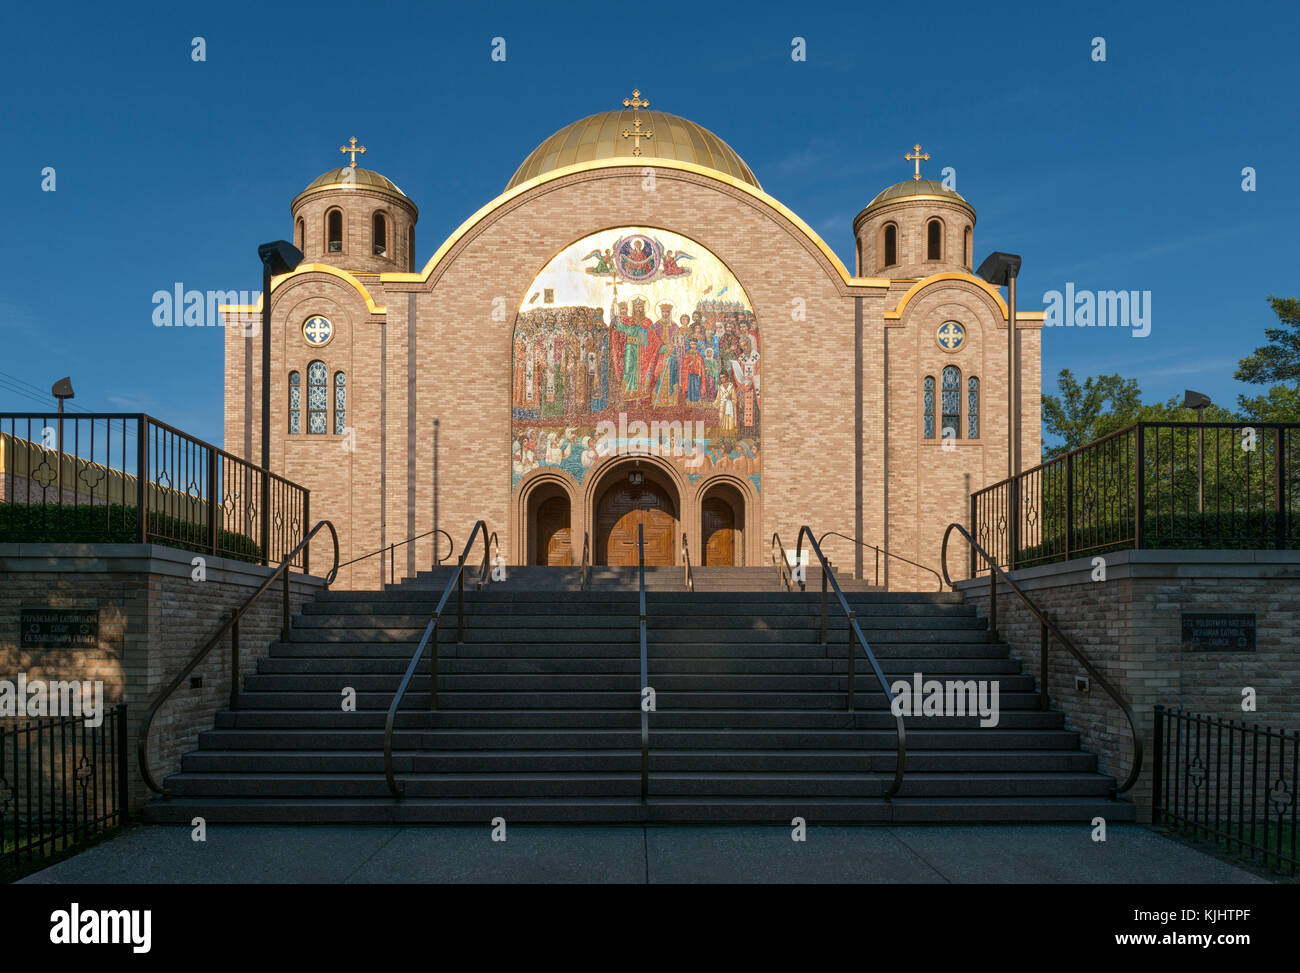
(633, 341)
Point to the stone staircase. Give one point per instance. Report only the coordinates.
(539, 718)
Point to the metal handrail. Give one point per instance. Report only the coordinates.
(438, 559)
(879, 551)
(689, 579)
(855, 632)
(783, 574)
(585, 569)
(230, 625)
(457, 580)
(1046, 625)
(645, 675)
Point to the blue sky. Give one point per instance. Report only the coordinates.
(1117, 175)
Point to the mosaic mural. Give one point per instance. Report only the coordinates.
(630, 341)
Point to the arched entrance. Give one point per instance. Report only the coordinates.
(550, 539)
(629, 496)
(722, 527)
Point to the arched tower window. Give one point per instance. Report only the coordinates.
(966, 248)
(929, 407)
(295, 402)
(410, 249)
(951, 402)
(334, 230)
(379, 234)
(300, 234)
(340, 403)
(972, 408)
(934, 240)
(859, 271)
(317, 398)
(890, 247)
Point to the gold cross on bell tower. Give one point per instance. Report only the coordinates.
(918, 158)
(362, 150)
(636, 103)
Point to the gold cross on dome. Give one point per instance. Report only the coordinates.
(918, 159)
(362, 150)
(636, 103)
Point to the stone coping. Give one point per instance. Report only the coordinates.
(157, 559)
(1150, 564)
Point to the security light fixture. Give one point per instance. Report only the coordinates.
(278, 257)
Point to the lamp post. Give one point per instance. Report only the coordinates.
(998, 269)
(61, 390)
(1198, 401)
(279, 257)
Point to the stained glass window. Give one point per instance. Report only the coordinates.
(340, 403)
(295, 402)
(929, 407)
(972, 408)
(951, 402)
(317, 397)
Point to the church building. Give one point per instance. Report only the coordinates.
(633, 333)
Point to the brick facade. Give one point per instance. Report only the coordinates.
(1129, 626)
(436, 346)
(152, 618)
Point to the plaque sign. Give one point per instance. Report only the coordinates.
(1218, 631)
(58, 628)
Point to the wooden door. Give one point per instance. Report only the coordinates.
(621, 509)
(718, 529)
(553, 536)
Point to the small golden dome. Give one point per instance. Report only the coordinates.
(361, 178)
(600, 136)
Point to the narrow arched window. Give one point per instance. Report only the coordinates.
(891, 245)
(934, 240)
(972, 408)
(929, 407)
(295, 402)
(966, 248)
(318, 398)
(300, 234)
(340, 403)
(951, 402)
(379, 234)
(334, 231)
(859, 270)
(410, 248)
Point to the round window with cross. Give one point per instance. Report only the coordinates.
(317, 331)
(951, 336)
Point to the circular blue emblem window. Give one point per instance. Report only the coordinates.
(317, 331)
(951, 336)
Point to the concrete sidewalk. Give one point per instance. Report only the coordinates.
(636, 854)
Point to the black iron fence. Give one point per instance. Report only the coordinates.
(1231, 782)
(123, 478)
(61, 782)
(1149, 485)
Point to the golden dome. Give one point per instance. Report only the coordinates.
(600, 136)
(361, 178)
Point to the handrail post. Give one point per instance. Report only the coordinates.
(1069, 504)
(974, 531)
(433, 676)
(306, 527)
(141, 480)
(877, 565)
(391, 575)
(214, 508)
(460, 600)
(1279, 479)
(824, 582)
(993, 603)
(284, 611)
(1044, 643)
(234, 658)
(852, 668)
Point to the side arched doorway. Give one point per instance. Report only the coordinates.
(550, 540)
(722, 527)
(630, 496)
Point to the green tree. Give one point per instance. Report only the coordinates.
(1277, 362)
(1082, 413)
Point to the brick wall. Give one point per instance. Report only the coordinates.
(1129, 626)
(152, 618)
